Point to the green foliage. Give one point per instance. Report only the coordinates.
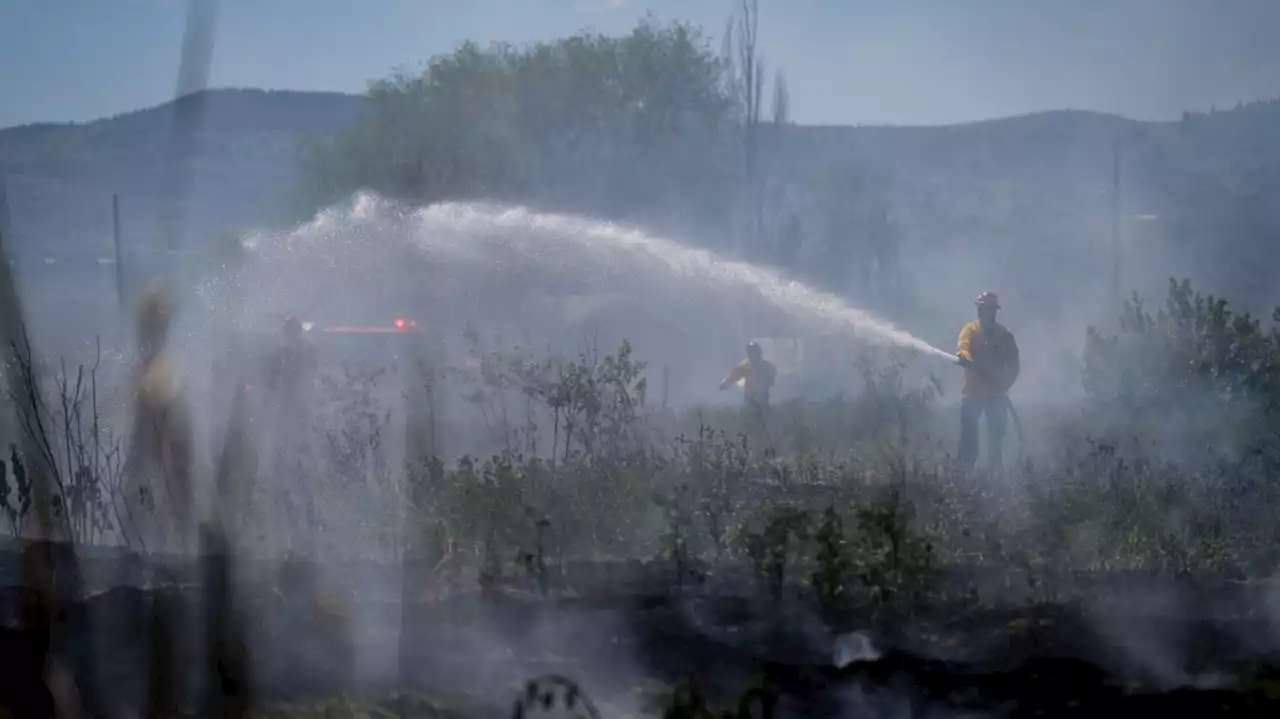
(1093, 505)
(718, 468)
(354, 438)
(1194, 373)
(15, 499)
(861, 514)
(611, 125)
(830, 578)
(1194, 343)
(773, 548)
(675, 540)
(546, 693)
(892, 559)
(594, 402)
(72, 448)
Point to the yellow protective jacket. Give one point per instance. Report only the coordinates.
(994, 356)
(756, 378)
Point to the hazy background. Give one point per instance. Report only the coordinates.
(908, 157)
(1021, 205)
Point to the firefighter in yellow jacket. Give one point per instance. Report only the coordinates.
(756, 376)
(989, 355)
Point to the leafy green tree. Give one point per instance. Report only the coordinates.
(620, 126)
(1195, 365)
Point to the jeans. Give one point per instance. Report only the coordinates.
(996, 410)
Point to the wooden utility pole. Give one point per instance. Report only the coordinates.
(115, 236)
(1115, 227)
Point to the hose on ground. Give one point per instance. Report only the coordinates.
(1017, 428)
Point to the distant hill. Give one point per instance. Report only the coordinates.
(978, 202)
(985, 202)
(60, 177)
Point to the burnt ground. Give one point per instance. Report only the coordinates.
(628, 634)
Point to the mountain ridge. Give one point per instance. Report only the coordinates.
(1022, 189)
(242, 159)
(356, 98)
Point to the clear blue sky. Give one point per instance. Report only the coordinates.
(847, 61)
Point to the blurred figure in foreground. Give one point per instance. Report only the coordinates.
(159, 463)
(292, 365)
(755, 375)
(290, 375)
(989, 355)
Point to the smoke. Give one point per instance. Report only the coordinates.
(853, 647)
(489, 259)
(514, 273)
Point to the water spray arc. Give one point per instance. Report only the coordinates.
(531, 233)
(501, 241)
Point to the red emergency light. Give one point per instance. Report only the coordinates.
(399, 324)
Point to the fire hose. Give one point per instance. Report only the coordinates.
(1017, 428)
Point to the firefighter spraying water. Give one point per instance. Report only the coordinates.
(988, 353)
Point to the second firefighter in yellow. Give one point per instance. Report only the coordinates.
(756, 375)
